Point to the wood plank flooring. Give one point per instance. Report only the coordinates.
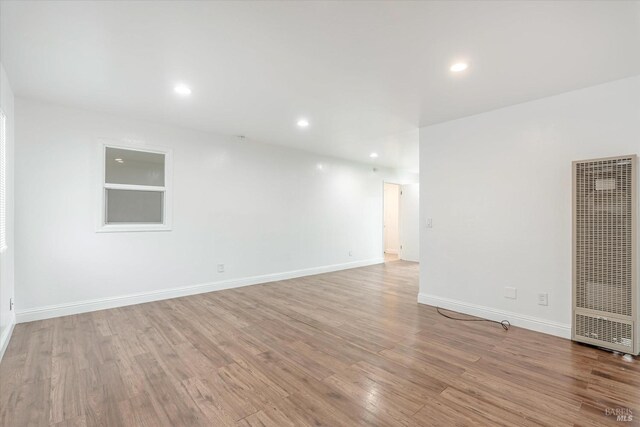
(341, 349)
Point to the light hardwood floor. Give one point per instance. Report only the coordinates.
(391, 257)
(341, 349)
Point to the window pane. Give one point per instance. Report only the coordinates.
(129, 206)
(134, 167)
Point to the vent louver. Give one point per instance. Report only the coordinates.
(602, 329)
(605, 283)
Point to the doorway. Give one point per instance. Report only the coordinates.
(400, 228)
(391, 222)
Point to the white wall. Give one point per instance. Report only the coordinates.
(266, 212)
(498, 187)
(391, 218)
(7, 317)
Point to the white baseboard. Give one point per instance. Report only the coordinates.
(5, 337)
(521, 320)
(50, 311)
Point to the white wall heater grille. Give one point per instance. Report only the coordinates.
(605, 284)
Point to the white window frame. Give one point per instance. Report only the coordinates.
(166, 225)
(3, 182)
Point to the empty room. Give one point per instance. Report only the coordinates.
(319, 213)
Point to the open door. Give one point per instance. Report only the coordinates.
(409, 222)
(391, 219)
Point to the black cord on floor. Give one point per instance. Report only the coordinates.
(504, 323)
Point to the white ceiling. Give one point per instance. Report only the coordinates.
(365, 74)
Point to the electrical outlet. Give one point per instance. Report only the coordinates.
(220, 268)
(10, 304)
(511, 293)
(429, 222)
(543, 299)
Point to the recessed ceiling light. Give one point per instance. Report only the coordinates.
(119, 160)
(459, 66)
(182, 89)
(303, 123)
(373, 155)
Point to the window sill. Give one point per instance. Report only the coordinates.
(123, 228)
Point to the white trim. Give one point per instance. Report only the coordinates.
(6, 335)
(134, 187)
(101, 185)
(3, 182)
(50, 311)
(528, 322)
(111, 228)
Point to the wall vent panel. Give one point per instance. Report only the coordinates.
(605, 257)
(615, 334)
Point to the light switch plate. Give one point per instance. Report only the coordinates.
(511, 293)
(543, 299)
